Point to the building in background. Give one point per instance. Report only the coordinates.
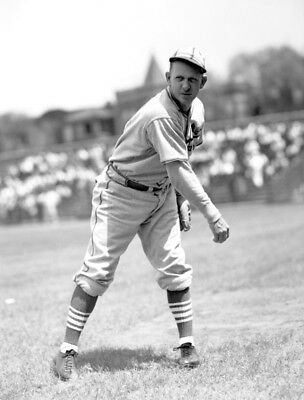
(56, 127)
(130, 100)
(220, 103)
(88, 124)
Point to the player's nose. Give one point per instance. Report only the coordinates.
(186, 85)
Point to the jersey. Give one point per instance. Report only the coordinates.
(157, 134)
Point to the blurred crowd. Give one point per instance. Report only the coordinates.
(254, 153)
(37, 187)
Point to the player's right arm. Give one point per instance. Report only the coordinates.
(186, 182)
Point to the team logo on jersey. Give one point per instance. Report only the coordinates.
(193, 137)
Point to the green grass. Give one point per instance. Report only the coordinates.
(248, 303)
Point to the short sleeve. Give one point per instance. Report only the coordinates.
(168, 140)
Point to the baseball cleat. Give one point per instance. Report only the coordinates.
(64, 365)
(189, 357)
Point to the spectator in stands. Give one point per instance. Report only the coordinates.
(241, 152)
(49, 201)
(256, 162)
(36, 187)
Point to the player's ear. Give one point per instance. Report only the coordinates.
(203, 81)
(168, 75)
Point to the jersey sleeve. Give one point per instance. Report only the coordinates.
(168, 140)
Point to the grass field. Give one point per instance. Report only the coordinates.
(248, 298)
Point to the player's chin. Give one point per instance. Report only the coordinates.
(186, 100)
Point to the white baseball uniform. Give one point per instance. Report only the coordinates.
(157, 134)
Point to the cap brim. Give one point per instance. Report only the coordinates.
(191, 62)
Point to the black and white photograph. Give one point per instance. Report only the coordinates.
(152, 200)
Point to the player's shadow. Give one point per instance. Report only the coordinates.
(113, 359)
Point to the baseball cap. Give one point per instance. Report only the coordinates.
(191, 55)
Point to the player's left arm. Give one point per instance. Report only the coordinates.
(186, 182)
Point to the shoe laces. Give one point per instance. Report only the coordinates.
(186, 349)
(69, 360)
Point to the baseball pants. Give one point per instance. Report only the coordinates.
(118, 214)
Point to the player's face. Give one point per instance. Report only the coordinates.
(185, 82)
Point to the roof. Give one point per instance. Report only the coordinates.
(90, 114)
(154, 75)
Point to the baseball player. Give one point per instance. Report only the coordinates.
(145, 189)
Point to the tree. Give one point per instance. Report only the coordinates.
(275, 76)
(14, 131)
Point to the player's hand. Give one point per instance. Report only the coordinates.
(220, 230)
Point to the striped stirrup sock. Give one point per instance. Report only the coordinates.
(76, 319)
(182, 311)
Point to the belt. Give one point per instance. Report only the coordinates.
(123, 180)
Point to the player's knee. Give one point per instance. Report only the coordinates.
(91, 287)
(177, 287)
(176, 283)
